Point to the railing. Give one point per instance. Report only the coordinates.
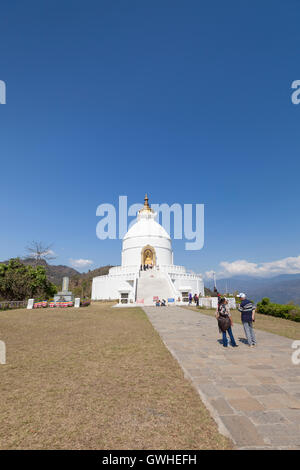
(175, 271)
(124, 270)
(125, 276)
(6, 305)
(172, 268)
(186, 276)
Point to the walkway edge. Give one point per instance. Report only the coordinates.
(221, 427)
(253, 397)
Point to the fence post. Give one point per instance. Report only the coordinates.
(2, 353)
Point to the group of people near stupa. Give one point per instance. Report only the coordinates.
(225, 322)
(144, 267)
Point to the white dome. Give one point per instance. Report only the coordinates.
(146, 228)
(146, 233)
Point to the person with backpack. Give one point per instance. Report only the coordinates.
(225, 322)
(247, 309)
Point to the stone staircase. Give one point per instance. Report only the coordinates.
(153, 284)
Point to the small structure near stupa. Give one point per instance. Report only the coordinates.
(65, 295)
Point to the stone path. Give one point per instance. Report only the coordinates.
(252, 393)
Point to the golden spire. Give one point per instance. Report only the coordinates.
(146, 204)
(146, 207)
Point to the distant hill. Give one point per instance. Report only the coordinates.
(55, 274)
(280, 289)
(81, 283)
(96, 272)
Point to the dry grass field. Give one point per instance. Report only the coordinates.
(278, 326)
(95, 378)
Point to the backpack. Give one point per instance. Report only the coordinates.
(224, 321)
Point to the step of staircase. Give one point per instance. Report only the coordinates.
(153, 285)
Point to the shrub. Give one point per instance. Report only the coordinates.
(295, 314)
(289, 312)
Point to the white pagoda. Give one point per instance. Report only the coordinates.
(147, 271)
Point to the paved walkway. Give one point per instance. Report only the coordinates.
(252, 393)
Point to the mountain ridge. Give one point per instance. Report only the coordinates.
(282, 288)
(56, 272)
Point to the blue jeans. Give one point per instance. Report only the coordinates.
(249, 331)
(225, 340)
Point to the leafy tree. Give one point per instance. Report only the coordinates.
(20, 282)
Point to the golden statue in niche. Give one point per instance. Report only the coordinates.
(148, 257)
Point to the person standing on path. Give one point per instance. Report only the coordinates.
(247, 309)
(225, 322)
(190, 299)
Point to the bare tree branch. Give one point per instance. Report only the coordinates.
(39, 251)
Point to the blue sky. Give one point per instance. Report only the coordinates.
(188, 101)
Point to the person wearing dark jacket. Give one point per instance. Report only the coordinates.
(225, 322)
(247, 309)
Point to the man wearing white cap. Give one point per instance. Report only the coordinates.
(247, 309)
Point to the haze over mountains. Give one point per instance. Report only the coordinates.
(280, 289)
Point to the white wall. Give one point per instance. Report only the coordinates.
(212, 302)
(195, 285)
(132, 249)
(208, 302)
(107, 287)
